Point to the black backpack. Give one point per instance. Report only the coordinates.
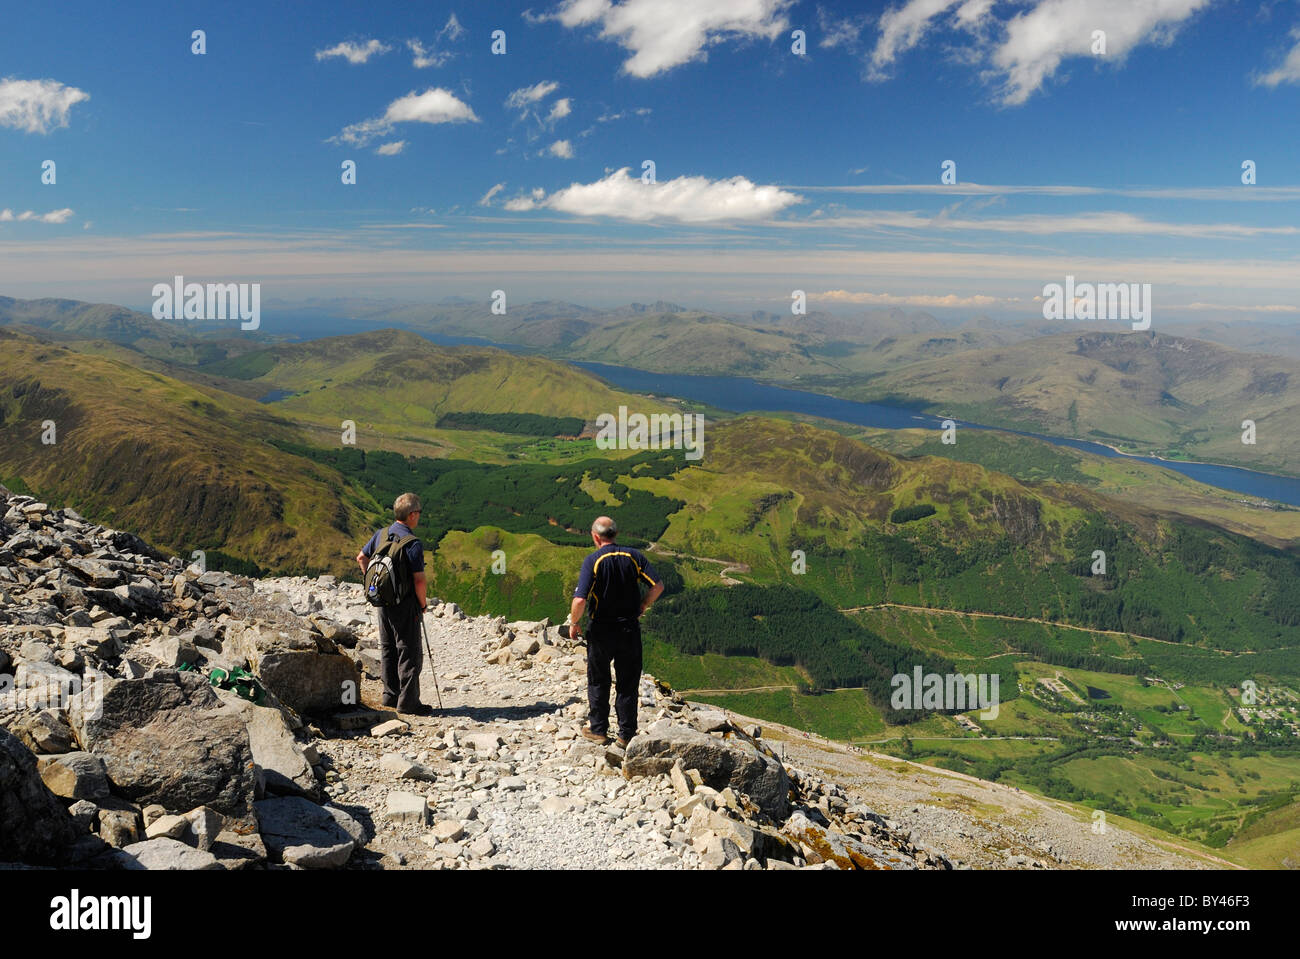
(387, 579)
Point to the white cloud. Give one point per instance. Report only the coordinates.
(432, 56)
(901, 29)
(354, 52)
(54, 216)
(662, 34)
(1038, 40)
(453, 30)
(1030, 46)
(686, 199)
(434, 105)
(839, 32)
(525, 97)
(424, 57)
(391, 149)
(37, 106)
(559, 110)
(487, 197)
(562, 149)
(926, 300)
(1288, 71)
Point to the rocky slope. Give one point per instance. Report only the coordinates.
(117, 751)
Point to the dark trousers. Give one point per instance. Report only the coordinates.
(400, 654)
(621, 644)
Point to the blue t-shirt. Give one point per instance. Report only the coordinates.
(611, 582)
(414, 550)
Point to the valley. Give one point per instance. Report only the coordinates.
(1121, 691)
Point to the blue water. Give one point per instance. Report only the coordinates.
(742, 395)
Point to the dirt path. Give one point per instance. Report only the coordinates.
(1041, 622)
(728, 566)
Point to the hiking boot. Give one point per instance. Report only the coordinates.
(622, 743)
(421, 709)
(594, 737)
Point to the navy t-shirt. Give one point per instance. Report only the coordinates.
(610, 582)
(414, 550)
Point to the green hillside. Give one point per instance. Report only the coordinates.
(184, 467)
(1142, 392)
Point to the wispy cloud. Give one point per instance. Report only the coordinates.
(354, 53)
(423, 57)
(839, 31)
(1220, 193)
(525, 98)
(925, 300)
(1106, 223)
(686, 199)
(37, 106)
(486, 199)
(54, 216)
(1288, 71)
(662, 34)
(562, 149)
(559, 110)
(391, 149)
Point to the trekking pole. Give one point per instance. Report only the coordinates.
(433, 669)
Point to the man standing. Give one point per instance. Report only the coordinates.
(611, 579)
(399, 626)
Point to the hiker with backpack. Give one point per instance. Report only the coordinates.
(392, 569)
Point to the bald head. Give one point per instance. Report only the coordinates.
(605, 528)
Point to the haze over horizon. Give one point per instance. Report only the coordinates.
(523, 171)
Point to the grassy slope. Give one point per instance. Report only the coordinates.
(1140, 391)
(184, 467)
(1142, 484)
(394, 385)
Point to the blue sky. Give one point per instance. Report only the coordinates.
(774, 171)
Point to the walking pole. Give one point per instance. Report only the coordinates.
(436, 685)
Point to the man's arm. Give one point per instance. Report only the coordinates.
(421, 586)
(363, 561)
(576, 609)
(655, 592)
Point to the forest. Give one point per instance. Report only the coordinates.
(525, 424)
(790, 627)
(525, 498)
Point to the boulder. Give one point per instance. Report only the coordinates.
(166, 738)
(720, 763)
(281, 766)
(299, 832)
(75, 776)
(710, 720)
(481, 742)
(306, 672)
(95, 572)
(120, 826)
(407, 807)
(164, 853)
(35, 828)
(46, 731)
